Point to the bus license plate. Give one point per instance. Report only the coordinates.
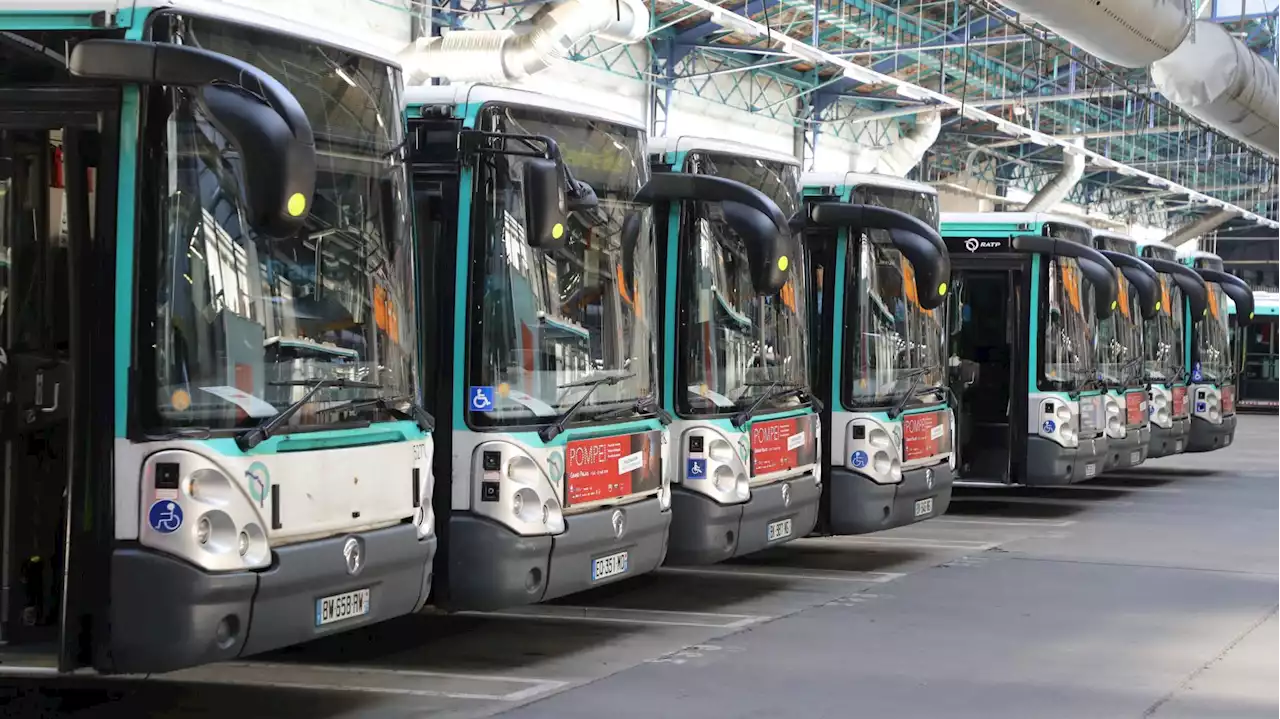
(780, 529)
(1090, 470)
(924, 507)
(339, 607)
(610, 566)
(1135, 456)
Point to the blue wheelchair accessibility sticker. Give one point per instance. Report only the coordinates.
(1201, 406)
(859, 459)
(165, 516)
(480, 399)
(1048, 426)
(695, 469)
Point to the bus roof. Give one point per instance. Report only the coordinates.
(1265, 304)
(858, 179)
(685, 143)
(476, 94)
(222, 10)
(1010, 218)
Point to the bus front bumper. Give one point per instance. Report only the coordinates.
(1129, 451)
(1049, 463)
(703, 531)
(1206, 437)
(167, 614)
(491, 567)
(859, 505)
(1168, 441)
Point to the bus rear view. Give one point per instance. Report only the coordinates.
(1031, 291)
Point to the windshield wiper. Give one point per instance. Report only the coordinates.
(809, 396)
(592, 383)
(775, 389)
(257, 435)
(644, 405)
(916, 375)
(401, 406)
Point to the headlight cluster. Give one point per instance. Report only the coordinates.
(1057, 421)
(1160, 409)
(874, 449)
(723, 468)
(512, 488)
(1208, 404)
(1115, 417)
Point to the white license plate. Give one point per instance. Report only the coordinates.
(1090, 470)
(1135, 456)
(610, 566)
(339, 607)
(924, 507)
(780, 529)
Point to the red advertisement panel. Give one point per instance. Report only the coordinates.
(1229, 399)
(1135, 407)
(1179, 401)
(925, 435)
(782, 444)
(610, 467)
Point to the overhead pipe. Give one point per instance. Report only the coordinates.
(1199, 227)
(899, 158)
(1057, 189)
(528, 48)
(1129, 33)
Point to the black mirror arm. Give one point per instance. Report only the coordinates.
(665, 187)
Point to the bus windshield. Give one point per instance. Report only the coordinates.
(548, 324)
(735, 344)
(1213, 344)
(1163, 336)
(895, 343)
(1120, 340)
(244, 322)
(1069, 358)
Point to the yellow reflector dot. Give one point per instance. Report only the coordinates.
(1250, 315)
(1113, 304)
(942, 288)
(1157, 305)
(297, 204)
(557, 231)
(1205, 312)
(783, 262)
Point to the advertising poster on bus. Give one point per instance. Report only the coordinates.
(611, 467)
(783, 444)
(925, 435)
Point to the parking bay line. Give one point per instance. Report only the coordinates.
(404, 682)
(922, 542)
(834, 575)
(621, 615)
(1007, 522)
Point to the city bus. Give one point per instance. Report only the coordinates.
(735, 357)
(535, 221)
(1184, 301)
(1121, 351)
(1259, 379)
(880, 275)
(215, 446)
(1031, 292)
(1213, 360)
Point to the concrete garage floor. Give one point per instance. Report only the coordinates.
(1147, 594)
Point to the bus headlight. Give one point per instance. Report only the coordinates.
(711, 462)
(871, 449)
(524, 498)
(1057, 421)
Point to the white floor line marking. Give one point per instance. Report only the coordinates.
(959, 502)
(832, 575)
(1008, 523)
(907, 542)
(208, 675)
(623, 615)
(1127, 488)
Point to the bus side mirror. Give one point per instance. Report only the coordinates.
(546, 209)
(260, 117)
(1148, 287)
(1104, 286)
(769, 251)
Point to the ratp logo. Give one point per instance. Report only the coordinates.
(971, 244)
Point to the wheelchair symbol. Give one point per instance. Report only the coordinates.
(165, 516)
(482, 399)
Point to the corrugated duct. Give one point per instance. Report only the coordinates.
(1131, 33)
(530, 47)
(1218, 80)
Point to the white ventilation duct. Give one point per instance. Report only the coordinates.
(530, 47)
(1218, 80)
(1130, 33)
(899, 158)
(1057, 189)
(1197, 228)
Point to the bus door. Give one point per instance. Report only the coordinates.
(55, 312)
(991, 330)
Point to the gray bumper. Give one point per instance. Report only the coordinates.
(1049, 463)
(859, 506)
(1206, 437)
(1130, 451)
(491, 567)
(1169, 441)
(167, 614)
(704, 531)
